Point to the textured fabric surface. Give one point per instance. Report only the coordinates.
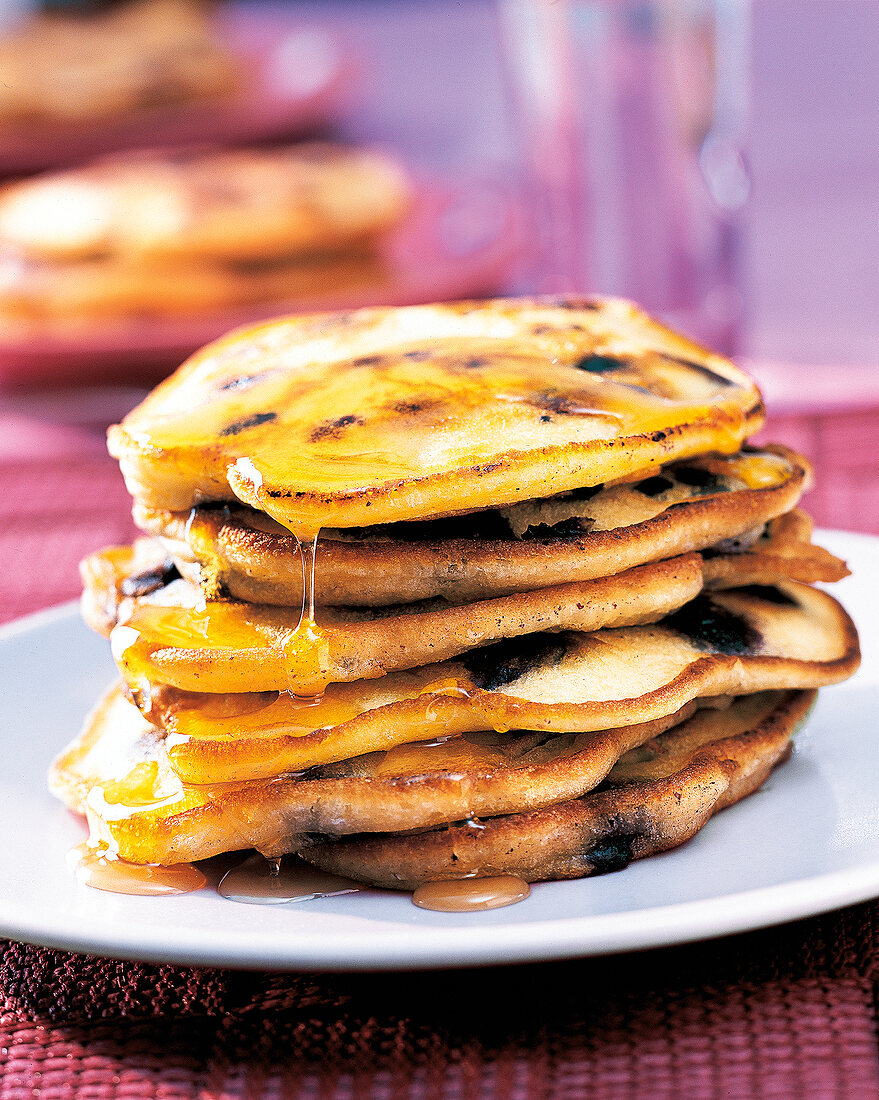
(787, 1012)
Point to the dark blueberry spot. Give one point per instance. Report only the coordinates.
(707, 372)
(546, 419)
(770, 593)
(417, 356)
(489, 526)
(586, 493)
(697, 478)
(407, 407)
(151, 580)
(493, 666)
(252, 421)
(658, 437)
(475, 362)
(368, 361)
(599, 364)
(653, 486)
(714, 628)
(612, 854)
(565, 529)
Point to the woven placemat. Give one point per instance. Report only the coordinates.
(783, 1012)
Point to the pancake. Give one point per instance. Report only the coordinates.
(647, 807)
(411, 786)
(207, 206)
(117, 773)
(225, 646)
(71, 295)
(344, 420)
(788, 636)
(682, 507)
(168, 634)
(66, 70)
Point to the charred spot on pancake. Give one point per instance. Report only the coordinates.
(332, 429)
(770, 593)
(714, 628)
(368, 361)
(492, 666)
(612, 854)
(557, 403)
(600, 364)
(563, 301)
(252, 421)
(571, 528)
(150, 580)
(691, 364)
(697, 478)
(653, 486)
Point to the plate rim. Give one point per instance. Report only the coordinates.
(586, 935)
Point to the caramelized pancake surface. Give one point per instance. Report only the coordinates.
(382, 415)
(226, 646)
(707, 763)
(594, 533)
(782, 637)
(118, 770)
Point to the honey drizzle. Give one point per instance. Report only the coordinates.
(306, 649)
(469, 895)
(261, 881)
(98, 867)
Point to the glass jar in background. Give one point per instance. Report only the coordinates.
(632, 116)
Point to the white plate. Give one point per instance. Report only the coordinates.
(806, 843)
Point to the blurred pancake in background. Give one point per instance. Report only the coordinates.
(160, 72)
(78, 68)
(181, 233)
(82, 319)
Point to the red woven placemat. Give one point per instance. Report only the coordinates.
(788, 1012)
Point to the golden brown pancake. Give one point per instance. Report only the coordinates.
(117, 772)
(656, 798)
(381, 415)
(167, 636)
(410, 786)
(230, 205)
(177, 234)
(786, 636)
(597, 532)
(68, 70)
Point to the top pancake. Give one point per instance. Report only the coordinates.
(380, 415)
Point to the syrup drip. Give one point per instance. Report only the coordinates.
(306, 650)
(261, 881)
(468, 895)
(99, 868)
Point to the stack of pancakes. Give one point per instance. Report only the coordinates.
(450, 591)
(181, 234)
